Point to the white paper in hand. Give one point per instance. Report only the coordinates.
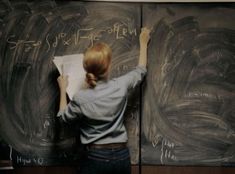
(72, 67)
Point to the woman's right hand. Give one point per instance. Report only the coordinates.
(144, 39)
(144, 36)
(63, 82)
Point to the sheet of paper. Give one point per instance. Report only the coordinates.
(73, 67)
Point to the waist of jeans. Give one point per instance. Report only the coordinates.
(107, 146)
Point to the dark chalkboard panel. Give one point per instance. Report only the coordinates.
(31, 34)
(189, 103)
(5, 156)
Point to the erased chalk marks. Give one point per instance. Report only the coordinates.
(189, 97)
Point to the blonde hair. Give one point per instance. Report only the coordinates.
(96, 63)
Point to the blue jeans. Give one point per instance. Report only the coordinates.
(106, 161)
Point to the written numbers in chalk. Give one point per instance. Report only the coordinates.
(29, 161)
(120, 31)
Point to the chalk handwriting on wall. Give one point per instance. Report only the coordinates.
(119, 30)
(29, 161)
(27, 44)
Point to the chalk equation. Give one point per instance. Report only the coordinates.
(167, 151)
(118, 30)
(28, 161)
(26, 44)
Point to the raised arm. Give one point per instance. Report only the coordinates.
(143, 39)
(134, 77)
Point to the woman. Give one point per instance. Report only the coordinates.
(100, 109)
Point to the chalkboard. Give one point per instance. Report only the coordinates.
(189, 104)
(31, 34)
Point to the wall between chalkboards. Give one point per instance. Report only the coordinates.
(188, 97)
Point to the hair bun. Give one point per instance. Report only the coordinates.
(91, 79)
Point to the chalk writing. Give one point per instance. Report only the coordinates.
(157, 138)
(27, 44)
(119, 70)
(167, 151)
(191, 94)
(120, 31)
(59, 37)
(25, 161)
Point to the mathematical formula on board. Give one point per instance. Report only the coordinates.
(118, 30)
(26, 161)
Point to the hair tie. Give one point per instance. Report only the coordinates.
(91, 79)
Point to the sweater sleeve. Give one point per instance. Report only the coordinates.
(133, 78)
(71, 112)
